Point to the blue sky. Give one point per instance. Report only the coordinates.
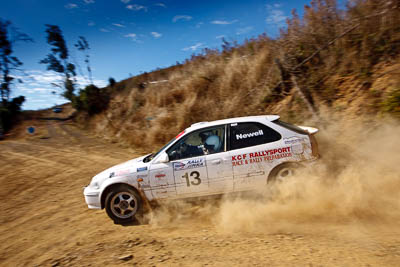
(128, 37)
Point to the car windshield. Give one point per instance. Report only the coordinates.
(153, 155)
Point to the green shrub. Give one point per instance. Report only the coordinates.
(9, 111)
(391, 103)
(111, 82)
(92, 100)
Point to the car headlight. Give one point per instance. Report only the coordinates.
(94, 184)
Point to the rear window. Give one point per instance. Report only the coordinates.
(251, 134)
(291, 127)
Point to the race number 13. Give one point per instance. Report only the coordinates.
(194, 176)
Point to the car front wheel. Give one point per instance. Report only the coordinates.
(123, 204)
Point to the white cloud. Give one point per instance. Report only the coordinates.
(71, 6)
(45, 77)
(42, 81)
(82, 82)
(198, 25)
(36, 100)
(193, 47)
(133, 36)
(42, 102)
(26, 90)
(220, 36)
(91, 23)
(118, 25)
(181, 17)
(223, 22)
(156, 34)
(88, 1)
(161, 5)
(125, 1)
(136, 7)
(244, 30)
(104, 30)
(38, 87)
(275, 15)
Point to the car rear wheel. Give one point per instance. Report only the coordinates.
(123, 204)
(283, 172)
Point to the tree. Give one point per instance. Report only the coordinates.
(58, 60)
(83, 45)
(8, 62)
(111, 82)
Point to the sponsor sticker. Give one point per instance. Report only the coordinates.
(249, 135)
(262, 156)
(119, 173)
(189, 164)
(293, 140)
(160, 175)
(122, 172)
(179, 166)
(142, 169)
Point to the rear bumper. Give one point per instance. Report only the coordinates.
(92, 198)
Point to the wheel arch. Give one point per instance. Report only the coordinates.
(111, 186)
(275, 170)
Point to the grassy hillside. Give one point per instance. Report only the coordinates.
(345, 62)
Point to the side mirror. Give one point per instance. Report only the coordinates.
(163, 158)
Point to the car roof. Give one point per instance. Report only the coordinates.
(261, 118)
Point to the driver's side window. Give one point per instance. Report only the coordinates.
(199, 143)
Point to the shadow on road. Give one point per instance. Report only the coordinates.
(57, 119)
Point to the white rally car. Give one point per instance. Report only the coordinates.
(205, 159)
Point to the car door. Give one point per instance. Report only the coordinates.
(218, 161)
(201, 164)
(188, 164)
(249, 143)
(190, 176)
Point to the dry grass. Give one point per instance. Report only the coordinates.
(213, 89)
(202, 90)
(224, 88)
(245, 80)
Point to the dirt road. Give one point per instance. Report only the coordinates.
(44, 220)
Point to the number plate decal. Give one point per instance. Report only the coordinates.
(191, 176)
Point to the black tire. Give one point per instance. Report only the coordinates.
(283, 171)
(123, 205)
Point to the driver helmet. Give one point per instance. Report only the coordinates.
(205, 135)
(213, 143)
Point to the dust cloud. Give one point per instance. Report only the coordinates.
(357, 180)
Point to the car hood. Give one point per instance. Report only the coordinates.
(127, 168)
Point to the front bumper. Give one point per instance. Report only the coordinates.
(92, 197)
